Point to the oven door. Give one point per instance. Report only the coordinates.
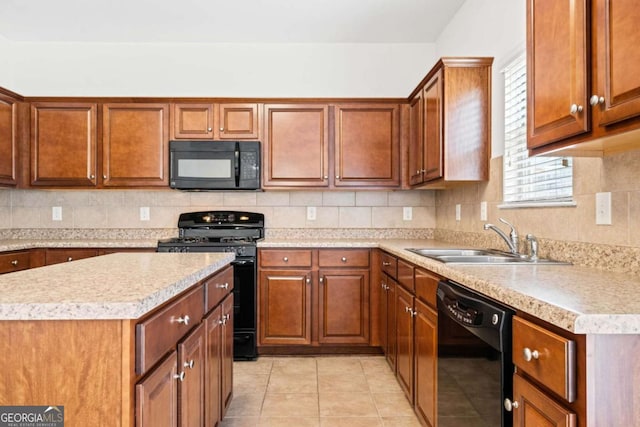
(203, 165)
(244, 308)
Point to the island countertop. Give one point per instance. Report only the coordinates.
(116, 286)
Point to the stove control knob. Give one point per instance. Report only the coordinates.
(240, 251)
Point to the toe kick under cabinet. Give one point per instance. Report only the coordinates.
(313, 298)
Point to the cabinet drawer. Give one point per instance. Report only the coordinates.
(546, 357)
(344, 258)
(158, 333)
(389, 264)
(426, 286)
(285, 258)
(56, 256)
(217, 287)
(14, 261)
(405, 275)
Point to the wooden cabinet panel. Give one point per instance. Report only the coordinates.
(63, 144)
(547, 357)
(426, 286)
(191, 390)
(367, 145)
(343, 311)
(285, 307)
(192, 121)
(426, 362)
(296, 146)
(416, 139)
(286, 258)
(238, 121)
(226, 375)
(549, 100)
(217, 287)
(56, 256)
(535, 409)
(383, 313)
(390, 352)
(404, 337)
(157, 396)
(213, 391)
(389, 265)
(433, 132)
(344, 258)
(14, 261)
(405, 275)
(135, 141)
(8, 140)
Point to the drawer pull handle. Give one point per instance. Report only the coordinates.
(386, 264)
(407, 309)
(509, 405)
(344, 259)
(221, 286)
(225, 318)
(529, 354)
(186, 319)
(14, 262)
(285, 259)
(69, 259)
(179, 376)
(190, 364)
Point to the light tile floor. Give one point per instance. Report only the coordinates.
(324, 391)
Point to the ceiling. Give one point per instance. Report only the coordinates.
(230, 21)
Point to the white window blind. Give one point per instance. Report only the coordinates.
(528, 180)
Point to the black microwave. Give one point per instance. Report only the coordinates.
(214, 165)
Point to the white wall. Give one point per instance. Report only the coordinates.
(6, 67)
(488, 28)
(218, 70)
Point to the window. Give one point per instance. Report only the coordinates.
(528, 181)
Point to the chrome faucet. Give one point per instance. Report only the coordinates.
(511, 240)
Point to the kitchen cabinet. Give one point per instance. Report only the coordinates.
(157, 396)
(64, 144)
(310, 297)
(388, 267)
(14, 261)
(426, 362)
(535, 409)
(591, 106)
(135, 141)
(191, 387)
(404, 340)
(296, 145)
(367, 145)
(224, 121)
(56, 256)
(8, 138)
(227, 353)
(450, 141)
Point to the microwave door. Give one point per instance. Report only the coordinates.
(206, 170)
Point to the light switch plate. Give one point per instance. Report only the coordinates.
(458, 212)
(483, 211)
(56, 213)
(145, 215)
(407, 213)
(311, 213)
(603, 208)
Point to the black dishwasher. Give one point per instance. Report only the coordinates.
(472, 387)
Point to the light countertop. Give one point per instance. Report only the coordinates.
(116, 286)
(19, 244)
(579, 299)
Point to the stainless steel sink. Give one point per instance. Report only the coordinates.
(480, 257)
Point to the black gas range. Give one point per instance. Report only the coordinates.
(227, 231)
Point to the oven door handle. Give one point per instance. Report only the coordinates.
(242, 262)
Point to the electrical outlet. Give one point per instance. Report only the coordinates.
(458, 212)
(311, 213)
(603, 208)
(407, 213)
(56, 213)
(483, 211)
(145, 215)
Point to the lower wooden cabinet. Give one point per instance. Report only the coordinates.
(226, 334)
(157, 396)
(536, 409)
(390, 351)
(192, 371)
(426, 363)
(56, 256)
(404, 339)
(14, 261)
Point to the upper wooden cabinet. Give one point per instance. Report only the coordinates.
(135, 139)
(450, 124)
(296, 145)
(8, 139)
(592, 103)
(367, 145)
(63, 144)
(233, 121)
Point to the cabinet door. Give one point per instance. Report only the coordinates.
(135, 145)
(392, 285)
(192, 121)
(426, 363)
(157, 396)
(556, 70)
(367, 145)
(238, 121)
(404, 339)
(213, 399)
(227, 353)
(615, 64)
(433, 131)
(191, 390)
(343, 307)
(285, 307)
(296, 148)
(383, 315)
(8, 140)
(56, 256)
(536, 409)
(63, 144)
(416, 139)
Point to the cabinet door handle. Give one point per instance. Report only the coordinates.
(575, 108)
(221, 129)
(529, 354)
(209, 129)
(595, 100)
(325, 177)
(308, 280)
(69, 259)
(322, 280)
(222, 286)
(510, 405)
(104, 176)
(179, 376)
(225, 319)
(337, 176)
(92, 176)
(186, 319)
(386, 264)
(285, 259)
(344, 259)
(14, 262)
(190, 364)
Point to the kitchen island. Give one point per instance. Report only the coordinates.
(68, 332)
